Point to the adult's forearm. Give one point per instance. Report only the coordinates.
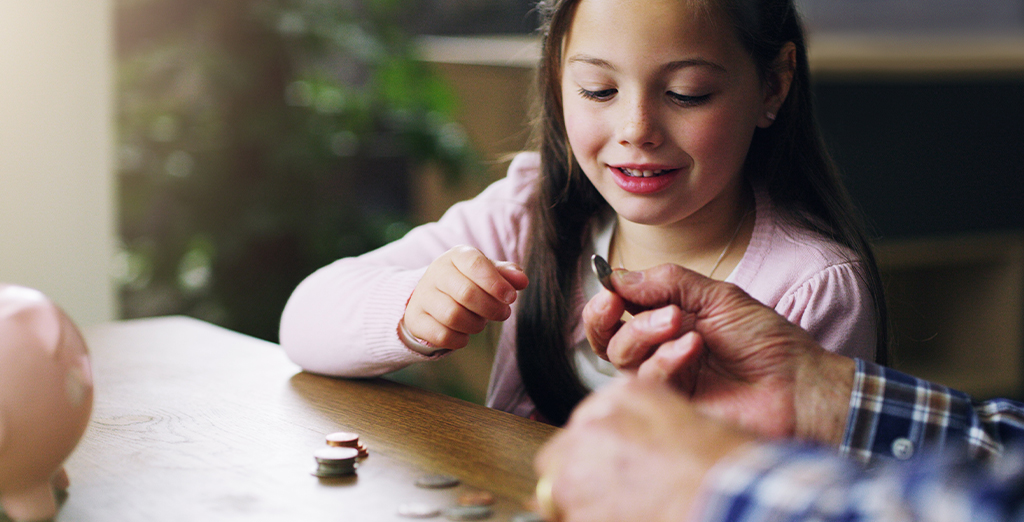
(824, 384)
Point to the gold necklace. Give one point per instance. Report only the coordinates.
(720, 256)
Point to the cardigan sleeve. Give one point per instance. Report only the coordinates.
(342, 320)
(836, 307)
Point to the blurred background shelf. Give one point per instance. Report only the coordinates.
(957, 306)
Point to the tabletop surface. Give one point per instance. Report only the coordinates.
(195, 422)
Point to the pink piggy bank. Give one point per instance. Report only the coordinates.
(45, 400)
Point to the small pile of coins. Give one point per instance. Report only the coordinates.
(335, 462)
(345, 439)
(339, 457)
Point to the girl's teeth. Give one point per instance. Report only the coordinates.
(642, 173)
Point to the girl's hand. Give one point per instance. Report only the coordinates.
(459, 293)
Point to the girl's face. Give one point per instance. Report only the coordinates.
(660, 105)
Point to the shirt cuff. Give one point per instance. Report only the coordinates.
(897, 416)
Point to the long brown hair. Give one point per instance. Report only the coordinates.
(788, 159)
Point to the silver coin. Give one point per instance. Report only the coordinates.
(437, 481)
(526, 516)
(329, 471)
(418, 510)
(334, 454)
(337, 468)
(603, 271)
(468, 513)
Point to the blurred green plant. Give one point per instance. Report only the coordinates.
(262, 139)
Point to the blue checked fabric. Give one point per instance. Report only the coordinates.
(896, 415)
(933, 454)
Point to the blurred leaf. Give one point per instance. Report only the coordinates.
(247, 128)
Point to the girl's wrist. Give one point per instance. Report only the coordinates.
(416, 344)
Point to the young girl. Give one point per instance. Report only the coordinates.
(676, 131)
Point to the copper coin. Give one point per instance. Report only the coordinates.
(343, 439)
(476, 498)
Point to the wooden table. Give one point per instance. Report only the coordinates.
(194, 422)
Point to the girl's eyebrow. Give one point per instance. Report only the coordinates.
(668, 67)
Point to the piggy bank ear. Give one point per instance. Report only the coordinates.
(31, 313)
(14, 299)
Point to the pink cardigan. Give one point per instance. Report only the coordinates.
(342, 319)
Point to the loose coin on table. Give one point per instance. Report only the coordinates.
(418, 510)
(468, 513)
(437, 481)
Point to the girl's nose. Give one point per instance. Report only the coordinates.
(640, 126)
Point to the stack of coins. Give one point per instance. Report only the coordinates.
(335, 462)
(344, 439)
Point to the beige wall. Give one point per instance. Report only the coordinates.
(56, 136)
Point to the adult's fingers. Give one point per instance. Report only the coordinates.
(675, 363)
(668, 284)
(601, 319)
(637, 339)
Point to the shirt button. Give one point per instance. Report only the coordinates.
(902, 448)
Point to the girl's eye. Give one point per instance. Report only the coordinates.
(688, 101)
(601, 95)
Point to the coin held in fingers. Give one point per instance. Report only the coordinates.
(603, 271)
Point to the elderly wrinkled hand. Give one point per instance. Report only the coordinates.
(735, 358)
(635, 450)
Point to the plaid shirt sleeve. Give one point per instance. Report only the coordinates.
(899, 416)
(915, 432)
(790, 482)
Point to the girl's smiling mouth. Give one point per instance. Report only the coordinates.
(643, 179)
(638, 173)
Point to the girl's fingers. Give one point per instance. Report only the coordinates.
(452, 315)
(513, 273)
(468, 296)
(460, 292)
(483, 272)
(426, 327)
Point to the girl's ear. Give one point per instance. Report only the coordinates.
(778, 84)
